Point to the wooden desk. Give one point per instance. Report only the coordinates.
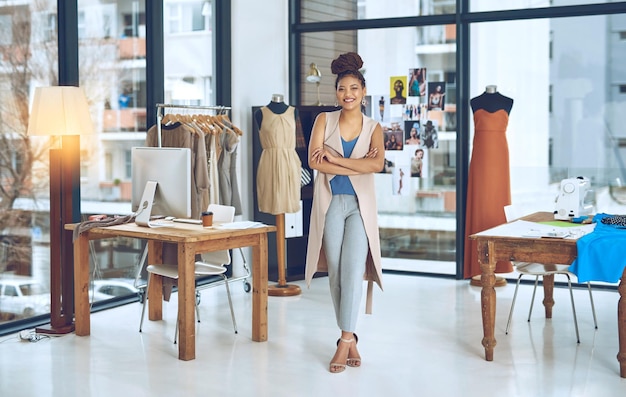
(191, 239)
(541, 250)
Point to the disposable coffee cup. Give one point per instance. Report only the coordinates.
(207, 219)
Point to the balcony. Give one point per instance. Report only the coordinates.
(132, 48)
(111, 191)
(132, 119)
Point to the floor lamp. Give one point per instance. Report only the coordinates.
(62, 113)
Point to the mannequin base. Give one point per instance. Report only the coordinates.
(283, 290)
(475, 281)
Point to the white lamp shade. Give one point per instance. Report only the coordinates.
(314, 75)
(61, 110)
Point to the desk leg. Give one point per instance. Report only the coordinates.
(155, 292)
(621, 325)
(486, 257)
(81, 286)
(186, 302)
(548, 294)
(259, 290)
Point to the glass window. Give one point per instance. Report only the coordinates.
(112, 72)
(187, 16)
(492, 5)
(189, 56)
(127, 161)
(345, 10)
(10, 290)
(112, 58)
(411, 90)
(29, 59)
(6, 31)
(134, 22)
(566, 116)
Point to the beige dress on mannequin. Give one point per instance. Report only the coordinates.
(278, 173)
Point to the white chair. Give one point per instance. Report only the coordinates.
(540, 269)
(212, 264)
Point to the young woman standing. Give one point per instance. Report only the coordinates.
(346, 148)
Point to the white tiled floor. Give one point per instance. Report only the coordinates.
(424, 339)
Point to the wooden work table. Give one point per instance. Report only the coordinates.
(191, 239)
(541, 250)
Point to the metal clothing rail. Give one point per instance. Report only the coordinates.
(162, 106)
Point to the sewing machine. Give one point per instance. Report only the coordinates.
(573, 199)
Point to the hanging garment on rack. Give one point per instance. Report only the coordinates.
(227, 170)
(278, 173)
(197, 127)
(204, 125)
(182, 135)
(212, 157)
(220, 189)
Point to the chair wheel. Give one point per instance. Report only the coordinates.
(246, 286)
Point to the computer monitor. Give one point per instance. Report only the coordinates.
(161, 183)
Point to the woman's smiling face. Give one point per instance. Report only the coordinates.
(350, 92)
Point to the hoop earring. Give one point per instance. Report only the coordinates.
(363, 102)
(336, 104)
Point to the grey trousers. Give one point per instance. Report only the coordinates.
(345, 247)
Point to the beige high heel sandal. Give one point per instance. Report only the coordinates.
(354, 361)
(336, 368)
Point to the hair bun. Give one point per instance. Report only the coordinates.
(348, 61)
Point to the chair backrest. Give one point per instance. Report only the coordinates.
(221, 214)
(513, 212)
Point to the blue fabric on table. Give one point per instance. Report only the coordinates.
(601, 254)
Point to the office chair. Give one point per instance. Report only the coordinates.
(212, 264)
(540, 269)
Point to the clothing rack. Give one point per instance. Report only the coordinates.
(160, 111)
(162, 106)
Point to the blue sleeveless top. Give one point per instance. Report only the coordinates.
(341, 184)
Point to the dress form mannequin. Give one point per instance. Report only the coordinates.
(278, 107)
(489, 177)
(491, 100)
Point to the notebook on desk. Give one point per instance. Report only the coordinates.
(239, 225)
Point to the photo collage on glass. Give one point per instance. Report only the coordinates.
(412, 114)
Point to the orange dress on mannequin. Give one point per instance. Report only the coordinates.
(488, 185)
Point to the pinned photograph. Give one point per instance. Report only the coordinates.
(393, 137)
(397, 94)
(366, 106)
(436, 95)
(412, 132)
(417, 163)
(429, 138)
(417, 82)
(382, 114)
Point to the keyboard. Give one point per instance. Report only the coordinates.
(188, 220)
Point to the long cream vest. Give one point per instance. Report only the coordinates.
(366, 195)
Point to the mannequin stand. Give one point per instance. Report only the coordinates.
(475, 281)
(282, 288)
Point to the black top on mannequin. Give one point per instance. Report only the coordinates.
(277, 106)
(492, 101)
